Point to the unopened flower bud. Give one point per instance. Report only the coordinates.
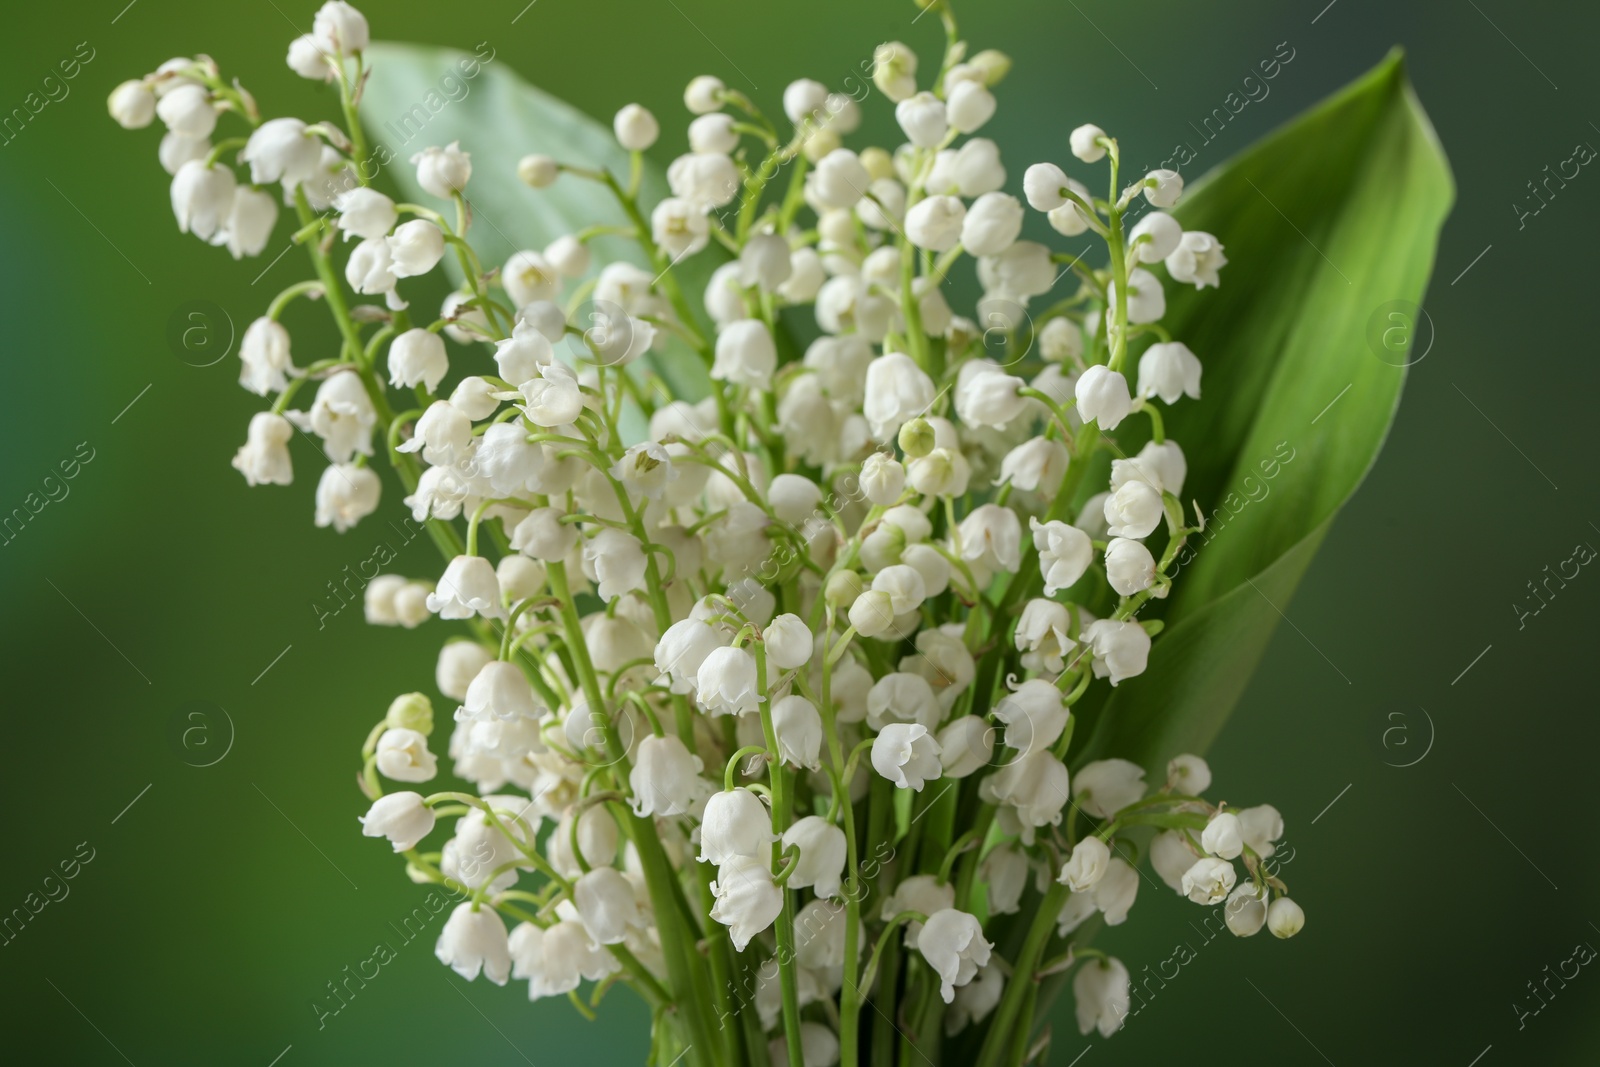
(537, 171)
(636, 128)
(843, 588)
(1085, 143)
(132, 104)
(411, 711)
(1285, 918)
(916, 438)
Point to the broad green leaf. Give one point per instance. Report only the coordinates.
(499, 118)
(1330, 224)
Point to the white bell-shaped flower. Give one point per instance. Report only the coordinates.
(745, 354)
(976, 1000)
(1103, 397)
(1130, 568)
(922, 118)
(1223, 836)
(606, 905)
(920, 892)
(1100, 989)
(500, 691)
(1246, 910)
(1189, 774)
(340, 30)
(1114, 894)
(1034, 714)
(953, 944)
(1154, 237)
(798, 725)
(416, 248)
(992, 223)
(934, 223)
(1209, 880)
(1169, 370)
(882, 479)
(474, 939)
(1086, 866)
(970, 106)
(365, 213)
(905, 585)
(443, 435)
(746, 899)
(1034, 786)
(342, 415)
(403, 756)
(370, 271)
(966, 745)
(264, 357)
(1065, 553)
(557, 959)
(283, 150)
(1105, 787)
(903, 697)
(467, 588)
(990, 398)
(417, 357)
(1121, 649)
(553, 398)
(1196, 260)
(725, 684)
(1036, 465)
(822, 855)
(665, 777)
(765, 262)
(992, 535)
(308, 59)
(188, 111)
(132, 104)
(1006, 871)
(459, 663)
(788, 642)
(735, 823)
(1043, 185)
(443, 172)
(616, 561)
(541, 535)
(1260, 826)
(400, 817)
(249, 223)
(1134, 510)
(708, 180)
(346, 494)
(263, 459)
(906, 754)
(202, 197)
(1163, 187)
(679, 228)
(682, 649)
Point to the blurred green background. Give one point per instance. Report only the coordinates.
(216, 908)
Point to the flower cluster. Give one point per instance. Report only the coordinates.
(766, 697)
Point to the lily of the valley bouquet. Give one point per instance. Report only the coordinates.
(765, 674)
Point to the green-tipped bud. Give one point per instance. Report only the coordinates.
(995, 65)
(916, 438)
(411, 711)
(843, 589)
